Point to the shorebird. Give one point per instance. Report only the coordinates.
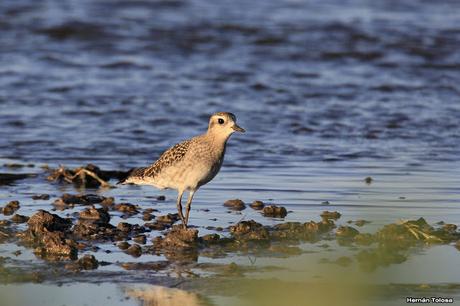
(190, 164)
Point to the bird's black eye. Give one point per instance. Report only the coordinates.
(221, 121)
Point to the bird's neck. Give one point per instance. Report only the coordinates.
(218, 140)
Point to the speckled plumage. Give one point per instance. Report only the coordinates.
(190, 164)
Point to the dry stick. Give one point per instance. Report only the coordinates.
(4, 234)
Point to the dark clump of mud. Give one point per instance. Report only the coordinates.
(179, 238)
(179, 244)
(49, 235)
(274, 211)
(235, 204)
(93, 224)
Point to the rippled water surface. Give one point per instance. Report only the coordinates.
(330, 92)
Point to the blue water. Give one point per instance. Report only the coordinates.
(330, 92)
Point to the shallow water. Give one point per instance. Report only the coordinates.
(329, 92)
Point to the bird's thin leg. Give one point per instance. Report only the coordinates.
(188, 206)
(179, 208)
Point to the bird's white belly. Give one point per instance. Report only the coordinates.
(188, 175)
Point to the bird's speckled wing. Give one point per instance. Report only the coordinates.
(167, 159)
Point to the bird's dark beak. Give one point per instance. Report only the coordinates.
(238, 128)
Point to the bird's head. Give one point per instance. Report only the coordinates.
(223, 124)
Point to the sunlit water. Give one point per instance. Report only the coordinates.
(330, 93)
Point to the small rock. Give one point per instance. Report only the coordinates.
(87, 262)
(142, 239)
(235, 204)
(168, 219)
(147, 216)
(368, 180)
(10, 208)
(96, 214)
(334, 215)
(156, 226)
(124, 227)
(161, 198)
(127, 208)
(134, 250)
(123, 245)
(41, 197)
(108, 202)
(257, 205)
(274, 211)
(325, 203)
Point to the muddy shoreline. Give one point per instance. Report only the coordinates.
(66, 244)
